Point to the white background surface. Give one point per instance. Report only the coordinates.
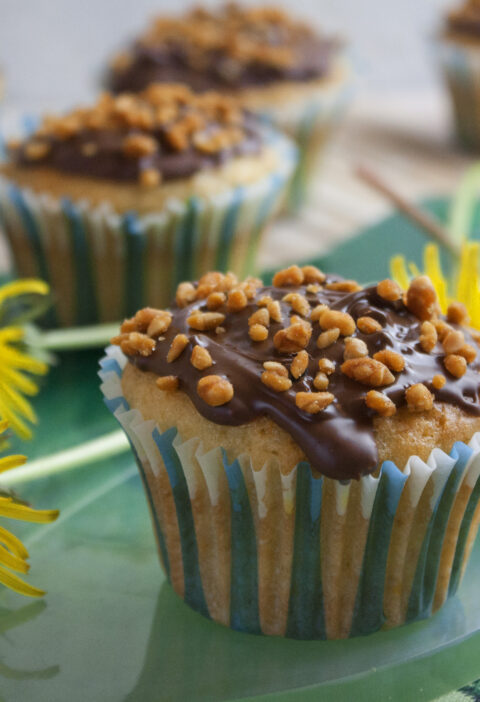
(56, 48)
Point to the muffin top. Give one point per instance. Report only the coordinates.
(465, 20)
(231, 47)
(319, 355)
(165, 132)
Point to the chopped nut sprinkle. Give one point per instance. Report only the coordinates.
(367, 371)
(438, 381)
(320, 382)
(419, 398)
(347, 286)
(186, 293)
(313, 402)
(200, 358)
(368, 325)
(328, 337)
(274, 310)
(275, 376)
(215, 390)
(205, 321)
(428, 337)
(150, 177)
(159, 324)
(331, 319)
(389, 290)
(167, 382)
(325, 365)
(299, 364)
(137, 343)
(215, 300)
(179, 343)
(293, 338)
(354, 348)
(391, 359)
(456, 365)
(289, 276)
(421, 298)
(299, 303)
(236, 300)
(258, 332)
(380, 403)
(317, 312)
(453, 341)
(312, 274)
(457, 313)
(261, 316)
(468, 352)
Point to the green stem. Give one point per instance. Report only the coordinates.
(74, 338)
(105, 446)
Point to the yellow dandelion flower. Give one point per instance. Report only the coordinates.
(13, 554)
(19, 301)
(462, 286)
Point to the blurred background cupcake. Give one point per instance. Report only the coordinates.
(459, 52)
(284, 69)
(117, 203)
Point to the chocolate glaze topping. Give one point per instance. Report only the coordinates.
(166, 131)
(338, 441)
(228, 49)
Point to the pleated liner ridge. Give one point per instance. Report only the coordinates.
(298, 556)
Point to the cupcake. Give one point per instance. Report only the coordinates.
(282, 68)
(308, 450)
(115, 204)
(459, 54)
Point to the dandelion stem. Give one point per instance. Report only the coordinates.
(105, 446)
(74, 338)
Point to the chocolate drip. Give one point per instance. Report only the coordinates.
(339, 441)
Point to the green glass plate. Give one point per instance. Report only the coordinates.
(112, 630)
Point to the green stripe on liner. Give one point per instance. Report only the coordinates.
(368, 614)
(85, 297)
(185, 237)
(194, 595)
(228, 229)
(134, 264)
(34, 236)
(244, 614)
(462, 539)
(306, 618)
(263, 213)
(425, 580)
(298, 187)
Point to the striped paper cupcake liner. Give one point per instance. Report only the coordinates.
(103, 266)
(460, 65)
(298, 556)
(311, 123)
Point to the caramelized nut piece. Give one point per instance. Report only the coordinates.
(419, 398)
(428, 336)
(368, 325)
(313, 402)
(167, 382)
(150, 177)
(200, 358)
(367, 371)
(159, 324)
(215, 300)
(421, 298)
(288, 276)
(258, 332)
(354, 348)
(264, 300)
(453, 341)
(204, 321)
(380, 403)
(211, 282)
(331, 319)
(327, 338)
(137, 343)
(468, 352)
(317, 312)
(347, 286)
(275, 376)
(438, 381)
(179, 343)
(237, 300)
(215, 390)
(274, 310)
(313, 288)
(457, 313)
(325, 365)
(442, 328)
(312, 274)
(136, 145)
(389, 290)
(299, 303)
(299, 364)
(456, 365)
(186, 293)
(293, 338)
(320, 382)
(391, 359)
(261, 316)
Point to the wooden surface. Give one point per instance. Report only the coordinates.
(405, 138)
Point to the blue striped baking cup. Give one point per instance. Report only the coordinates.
(103, 266)
(460, 66)
(295, 555)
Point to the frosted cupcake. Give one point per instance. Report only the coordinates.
(281, 67)
(309, 450)
(459, 52)
(115, 204)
